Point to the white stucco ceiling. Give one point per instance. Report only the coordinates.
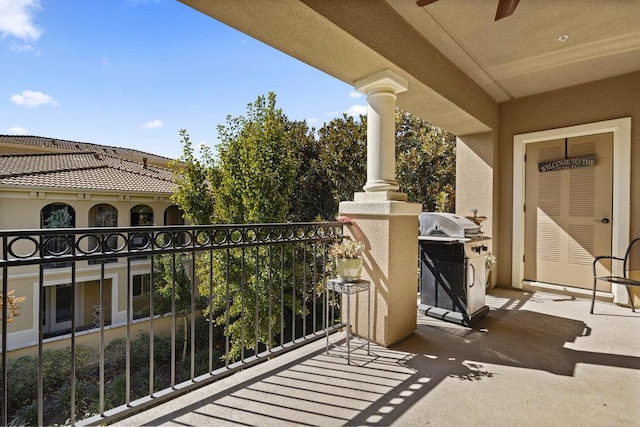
(522, 55)
(459, 62)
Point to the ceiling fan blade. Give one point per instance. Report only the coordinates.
(506, 8)
(422, 3)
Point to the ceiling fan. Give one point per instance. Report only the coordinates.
(505, 7)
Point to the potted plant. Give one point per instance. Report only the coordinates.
(348, 258)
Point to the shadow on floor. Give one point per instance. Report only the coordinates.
(383, 387)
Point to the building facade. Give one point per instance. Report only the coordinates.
(47, 183)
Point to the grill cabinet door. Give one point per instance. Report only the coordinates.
(442, 275)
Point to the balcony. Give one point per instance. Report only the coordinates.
(138, 315)
(536, 359)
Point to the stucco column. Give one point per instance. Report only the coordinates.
(385, 222)
(381, 89)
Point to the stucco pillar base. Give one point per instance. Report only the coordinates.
(389, 230)
(380, 196)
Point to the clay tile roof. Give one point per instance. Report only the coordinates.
(83, 170)
(57, 145)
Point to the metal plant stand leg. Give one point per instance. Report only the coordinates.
(349, 328)
(349, 287)
(326, 309)
(369, 321)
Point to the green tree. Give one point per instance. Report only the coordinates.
(425, 163)
(343, 156)
(251, 180)
(425, 160)
(59, 218)
(270, 169)
(311, 199)
(194, 179)
(258, 164)
(13, 310)
(172, 283)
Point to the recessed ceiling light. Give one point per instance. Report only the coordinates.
(563, 38)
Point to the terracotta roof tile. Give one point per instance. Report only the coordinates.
(66, 145)
(90, 171)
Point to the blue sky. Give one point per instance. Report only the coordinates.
(132, 73)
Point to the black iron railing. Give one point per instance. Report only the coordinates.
(252, 291)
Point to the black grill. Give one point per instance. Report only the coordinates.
(452, 254)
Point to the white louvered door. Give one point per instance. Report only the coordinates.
(568, 212)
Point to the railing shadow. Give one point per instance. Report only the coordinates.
(378, 389)
(512, 337)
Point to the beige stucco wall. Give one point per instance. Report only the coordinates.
(389, 231)
(475, 177)
(21, 209)
(592, 102)
(92, 338)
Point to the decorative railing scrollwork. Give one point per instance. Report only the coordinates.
(27, 247)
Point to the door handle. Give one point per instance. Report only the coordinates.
(603, 220)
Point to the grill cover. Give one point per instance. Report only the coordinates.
(442, 224)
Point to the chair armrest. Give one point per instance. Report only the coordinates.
(598, 258)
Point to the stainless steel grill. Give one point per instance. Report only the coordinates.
(452, 254)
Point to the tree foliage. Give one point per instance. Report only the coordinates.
(312, 196)
(13, 310)
(171, 282)
(194, 178)
(343, 156)
(251, 180)
(258, 164)
(59, 218)
(172, 288)
(269, 169)
(425, 163)
(425, 160)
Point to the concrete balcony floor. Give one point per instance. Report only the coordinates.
(537, 359)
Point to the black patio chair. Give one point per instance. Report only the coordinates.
(619, 280)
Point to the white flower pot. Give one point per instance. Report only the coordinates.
(348, 268)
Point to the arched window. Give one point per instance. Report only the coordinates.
(141, 215)
(173, 215)
(57, 215)
(103, 215)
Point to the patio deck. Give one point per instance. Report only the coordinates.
(536, 359)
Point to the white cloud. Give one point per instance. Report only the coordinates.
(356, 110)
(333, 113)
(29, 98)
(313, 120)
(16, 19)
(355, 94)
(23, 47)
(17, 130)
(153, 124)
